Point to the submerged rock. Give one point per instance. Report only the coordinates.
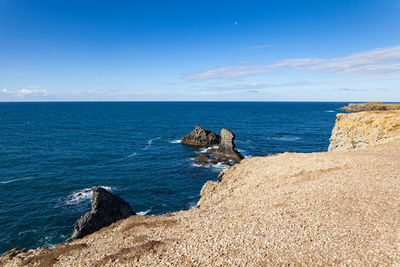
(201, 137)
(226, 148)
(204, 159)
(106, 209)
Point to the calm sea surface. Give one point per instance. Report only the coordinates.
(51, 152)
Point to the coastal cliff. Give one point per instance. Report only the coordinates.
(355, 130)
(329, 208)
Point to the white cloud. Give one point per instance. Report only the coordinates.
(226, 72)
(376, 63)
(32, 92)
(4, 91)
(249, 86)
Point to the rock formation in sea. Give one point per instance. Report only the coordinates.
(226, 148)
(106, 209)
(201, 137)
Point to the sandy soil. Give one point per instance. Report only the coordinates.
(332, 208)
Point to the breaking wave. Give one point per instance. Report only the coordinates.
(83, 195)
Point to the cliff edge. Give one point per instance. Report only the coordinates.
(364, 128)
(330, 208)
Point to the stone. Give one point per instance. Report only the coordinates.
(106, 209)
(204, 159)
(201, 137)
(226, 148)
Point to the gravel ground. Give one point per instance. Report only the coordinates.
(331, 208)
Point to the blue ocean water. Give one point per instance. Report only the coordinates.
(50, 153)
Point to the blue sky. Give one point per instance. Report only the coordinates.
(331, 50)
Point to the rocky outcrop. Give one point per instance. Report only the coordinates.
(364, 128)
(201, 137)
(226, 148)
(204, 159)
(106, 209)
(371, 106)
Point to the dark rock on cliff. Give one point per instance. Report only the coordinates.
(226, 148)
(201, 137)
(106, 209)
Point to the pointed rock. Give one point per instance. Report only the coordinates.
(201, 137)
(226, 148)
(106, 209)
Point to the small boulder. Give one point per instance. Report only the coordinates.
(226, 148)
(201, 137)
(106, 209)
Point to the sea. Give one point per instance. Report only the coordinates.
(53, 153)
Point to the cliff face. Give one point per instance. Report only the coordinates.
(364, 128)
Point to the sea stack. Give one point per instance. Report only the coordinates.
(201, 137)
(106, 209)
(226, 148)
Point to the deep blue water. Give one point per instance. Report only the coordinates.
(49, 152)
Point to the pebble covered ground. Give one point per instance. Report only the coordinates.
(330, 208)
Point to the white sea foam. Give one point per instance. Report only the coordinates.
(175, 141)
(15, 180)
(204, 150)
(330, 111)
(287, 138)
(198, 165)
(192, 204)
(142, 213)
(132, 155)
(219, 166)
(150, 142)
(83, 195)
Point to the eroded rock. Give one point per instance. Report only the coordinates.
(201, 137)
(226, 148)
(106, 209)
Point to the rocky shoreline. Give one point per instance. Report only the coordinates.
(330, 208)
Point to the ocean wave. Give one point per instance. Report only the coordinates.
(150, 142)
(176, 141)
(287, 138)
(132, 155)
(204, 150)
(15, 180)
(219, 166)
(192, 204)
(83, 195)
(142, 213)
(330, 111)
